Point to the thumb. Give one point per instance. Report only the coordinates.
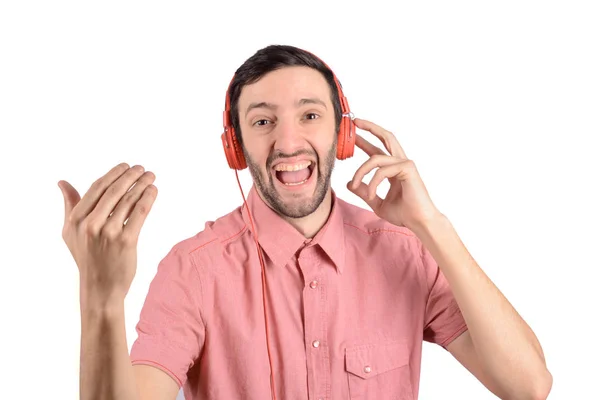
(70, 196)
(362, 191)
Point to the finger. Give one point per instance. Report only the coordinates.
(389, 140)
(386, 172)
(128, 202)
(92, 196)
(140, 212)
(367, 147)
(362, 191)
(70, 197)
(114, 193)
(372, 163)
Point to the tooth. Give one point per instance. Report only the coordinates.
(297, 183)
(295, 167)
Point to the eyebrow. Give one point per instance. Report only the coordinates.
(270, 106)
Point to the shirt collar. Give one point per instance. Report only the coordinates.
(280, 240)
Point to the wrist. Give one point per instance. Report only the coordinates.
(96, 304)
(430, 225)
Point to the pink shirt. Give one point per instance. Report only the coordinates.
(348, 310)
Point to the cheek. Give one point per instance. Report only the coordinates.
(324, 149)
(255, 153)
(259, 161)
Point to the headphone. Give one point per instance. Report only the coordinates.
(236, 160)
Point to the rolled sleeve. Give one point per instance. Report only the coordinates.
(444, 321)
(171, 329)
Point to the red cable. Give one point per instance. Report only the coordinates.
(263, 286)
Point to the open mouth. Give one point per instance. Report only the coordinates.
(294, 174)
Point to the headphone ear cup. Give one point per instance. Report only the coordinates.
(346, 139)
(349, 150)
(341, 139)
(233, 151)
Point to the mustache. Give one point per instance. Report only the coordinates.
(277, 155)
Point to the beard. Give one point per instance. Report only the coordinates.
(267, 188)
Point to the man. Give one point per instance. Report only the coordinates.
(349, 294)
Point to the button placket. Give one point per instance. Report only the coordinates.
(311, 314)
(315, 332)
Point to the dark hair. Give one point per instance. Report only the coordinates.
(269, 59)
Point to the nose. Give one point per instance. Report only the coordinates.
(289, 137)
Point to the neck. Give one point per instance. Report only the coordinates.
(310, 225)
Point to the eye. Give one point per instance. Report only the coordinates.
(261, 122)
(312, 114)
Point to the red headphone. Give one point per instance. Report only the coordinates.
(237, 161)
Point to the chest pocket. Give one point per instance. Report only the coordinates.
(379, 371)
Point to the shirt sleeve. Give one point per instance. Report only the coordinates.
(170, 329)
(444, 321)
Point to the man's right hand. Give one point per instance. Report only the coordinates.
(101, 231)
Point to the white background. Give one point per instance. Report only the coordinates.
(497, 103)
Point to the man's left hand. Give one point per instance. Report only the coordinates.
(407, 202)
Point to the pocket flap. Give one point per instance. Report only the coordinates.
(366, 361)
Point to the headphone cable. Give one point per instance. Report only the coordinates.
(263, 272)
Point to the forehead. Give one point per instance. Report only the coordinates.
(286, 85)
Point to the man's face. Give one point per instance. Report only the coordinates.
(289, 134)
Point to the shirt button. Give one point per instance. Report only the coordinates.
(316, 343)
(313, 284)
(367, 369)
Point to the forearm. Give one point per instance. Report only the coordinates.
(505, 345)
(105, 371)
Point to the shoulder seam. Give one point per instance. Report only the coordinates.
(203, 245)
(236, 235)
(232, 237)
(379, 230)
